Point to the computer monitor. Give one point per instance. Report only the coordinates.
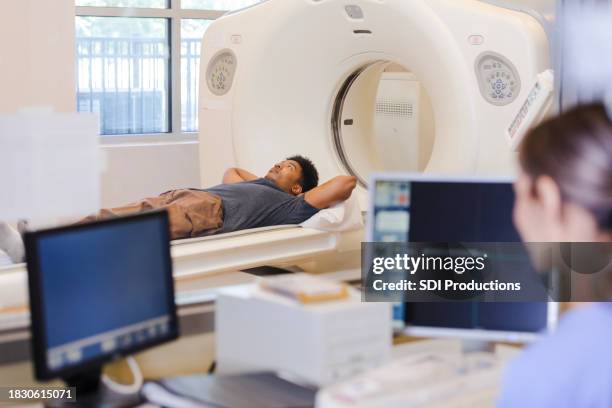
(422, 208)
(99, 291)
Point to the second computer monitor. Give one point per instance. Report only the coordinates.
(419, 208)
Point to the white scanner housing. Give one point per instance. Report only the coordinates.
(289, 77)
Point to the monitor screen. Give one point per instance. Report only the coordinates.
(100, 290)
(412, 209)
(462, 212)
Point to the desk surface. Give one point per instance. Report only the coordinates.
(255, 390)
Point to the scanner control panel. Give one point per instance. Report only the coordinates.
(498, 79)
(220, 72)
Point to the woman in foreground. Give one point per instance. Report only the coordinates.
(564, 194)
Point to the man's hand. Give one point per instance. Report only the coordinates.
(334, 191)
(236, 175)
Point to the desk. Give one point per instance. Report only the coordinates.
(257, 390)
(195, 297)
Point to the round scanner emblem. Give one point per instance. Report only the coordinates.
(499, 81)
(220, 72)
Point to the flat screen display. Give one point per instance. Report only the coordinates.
(101, 289)
(454, 211)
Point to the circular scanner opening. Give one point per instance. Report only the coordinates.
(383, 121)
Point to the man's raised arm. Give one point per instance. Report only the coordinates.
(332, 192)
(236, 175)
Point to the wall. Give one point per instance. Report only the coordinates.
(545, 7)
(581, 81)
(37, 43)
(144, 170)
(37, 69)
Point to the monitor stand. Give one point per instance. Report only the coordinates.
(91, 392)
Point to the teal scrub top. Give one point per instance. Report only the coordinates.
(571, 367)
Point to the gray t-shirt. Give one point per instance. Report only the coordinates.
(259, 203)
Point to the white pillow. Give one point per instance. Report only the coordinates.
(345, 216)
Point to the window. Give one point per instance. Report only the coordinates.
(123, 65)
(192, 31)
(138, 62)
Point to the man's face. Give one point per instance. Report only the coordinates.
(287, 175)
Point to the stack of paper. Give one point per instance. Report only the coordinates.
(305, 288)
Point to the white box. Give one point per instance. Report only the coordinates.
(318, 344)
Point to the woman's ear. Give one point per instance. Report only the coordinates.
(549, 194)
(296, 189)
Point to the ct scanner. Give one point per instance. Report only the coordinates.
(288, 77)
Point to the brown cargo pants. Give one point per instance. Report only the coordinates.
(191, 213)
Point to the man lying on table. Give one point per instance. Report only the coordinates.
(288, 194)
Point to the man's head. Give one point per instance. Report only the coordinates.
(296, 175)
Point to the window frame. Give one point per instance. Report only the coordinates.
(175, 15)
